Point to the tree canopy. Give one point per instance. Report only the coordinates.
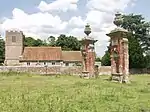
(2, 49)
(106, 59)
(98, 59)
(68, 42)
(139, 29)
(30, 41)
(139, 39)
(65, 42)
(136, 57)
(51, 41)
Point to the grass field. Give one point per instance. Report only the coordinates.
(34, 93)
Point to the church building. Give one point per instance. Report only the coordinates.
(18, 55)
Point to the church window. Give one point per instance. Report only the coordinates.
(67, 64)
(28, 63)
(53, 63)
(45, 63)
(13, 38)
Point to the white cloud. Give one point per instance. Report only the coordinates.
(38, 23)
(58, 5)
(108, 5)
(100, 15)
(78, 32)
(76, 22)
(94, 17)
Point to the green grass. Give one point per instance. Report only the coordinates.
(34, 93)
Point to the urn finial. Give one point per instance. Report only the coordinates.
(118, 19)
(87, 29)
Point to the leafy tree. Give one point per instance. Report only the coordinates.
(139, 39)
(139, 29)
(38, 42)
(2, 50)
(45, 42)
(147, 61)
(29, 41)
(106, 59)
(68, 42)
(136, 57)
(98, 59)
(51, 41)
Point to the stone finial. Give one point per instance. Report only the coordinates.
(118, 19)
(87, 29)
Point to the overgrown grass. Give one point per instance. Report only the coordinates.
(35, 93)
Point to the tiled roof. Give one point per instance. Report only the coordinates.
(49, 54)
(71, 55)
(42, 53)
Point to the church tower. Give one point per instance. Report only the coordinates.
(13, 47)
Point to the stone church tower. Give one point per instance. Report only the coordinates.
(13, 47)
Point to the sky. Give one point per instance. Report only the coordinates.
(40, 19)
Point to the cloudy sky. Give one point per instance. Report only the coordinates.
(53, 17)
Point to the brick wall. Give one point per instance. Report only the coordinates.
(52, 70)
(140, 71)
(43, 70)
(103, 70)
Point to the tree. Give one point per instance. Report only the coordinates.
(51, 41)
(45, 42)
(147, 61)
(136, 57)
(139, 39)
(29, 41)
(68, 42)
(38, 42)
(98, 59)
(139, 29)
(106, 59)
(65, 42)
(2, 50)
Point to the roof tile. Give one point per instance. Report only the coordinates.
(72, 55)
(50, 54)
(42, 53)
